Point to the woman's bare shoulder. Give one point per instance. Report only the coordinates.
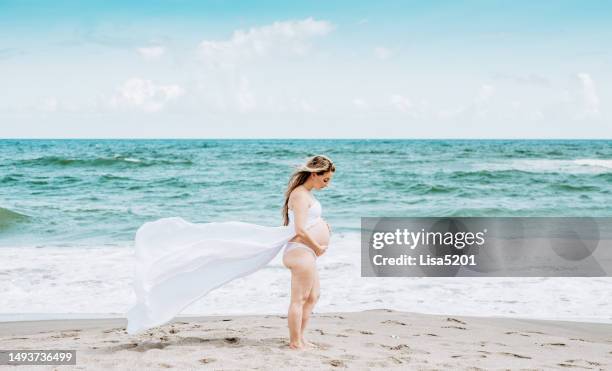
(299, 194)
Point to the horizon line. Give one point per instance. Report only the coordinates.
(288, 138)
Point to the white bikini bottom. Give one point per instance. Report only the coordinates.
(298, 245)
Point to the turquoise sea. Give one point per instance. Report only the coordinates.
(97, 192)
(70, 208)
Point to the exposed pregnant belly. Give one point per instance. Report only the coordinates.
(318, 232)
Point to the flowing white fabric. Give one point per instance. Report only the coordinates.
(178, 262)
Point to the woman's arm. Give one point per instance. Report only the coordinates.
(300, 212)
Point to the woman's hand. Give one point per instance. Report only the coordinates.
(321, 250)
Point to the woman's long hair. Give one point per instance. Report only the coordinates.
(318, 164)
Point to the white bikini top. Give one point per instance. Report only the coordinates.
(314, 213)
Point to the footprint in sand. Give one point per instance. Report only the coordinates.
(456, 327)
(396, 347)
(142, 347)
(117, 329)
(191, 340)
(576, 339)
(65, 335)
(514, 332)
(336, 363)
(430, 334)
(573, 363)
(450, 319)
(514, 355)
(232, 340)
(394, 322)
(320, 346)
(207, 360)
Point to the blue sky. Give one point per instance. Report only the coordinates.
(335, 69)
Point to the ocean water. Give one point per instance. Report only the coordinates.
(69, 210)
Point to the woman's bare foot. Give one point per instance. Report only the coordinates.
(296, 345)
(308, 343)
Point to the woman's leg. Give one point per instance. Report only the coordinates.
(310, 303)
(303, 269)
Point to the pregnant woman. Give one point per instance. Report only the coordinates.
(176, 262)
(303, 211)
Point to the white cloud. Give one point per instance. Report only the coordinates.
(482, 99)
(151, 52)
(450, 113)
(245, 100)
(303, 105)
(484, 94)
(248, 71)
(530, 79)
(400, 102)
(244, 96)
(283, 36)
(383, 53)
(360, 103)
(478, 107)
(49, 105)
(54, 104)
(536, 115)
(589, 96)
(146, 95)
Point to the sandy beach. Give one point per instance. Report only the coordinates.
(373, 339)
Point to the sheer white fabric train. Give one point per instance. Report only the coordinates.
(177, 262)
